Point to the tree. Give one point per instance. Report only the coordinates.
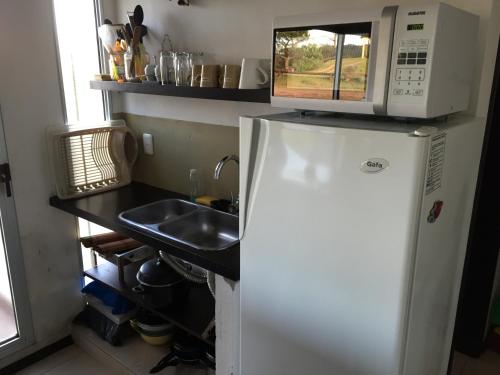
(289, 39)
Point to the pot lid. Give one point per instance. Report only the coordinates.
(157, 273)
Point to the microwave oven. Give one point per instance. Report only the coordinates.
(400, 61)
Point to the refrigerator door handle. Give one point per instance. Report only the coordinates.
(249, 140)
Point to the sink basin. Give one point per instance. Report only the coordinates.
(158, 212)
(185, 222)
(204, 229)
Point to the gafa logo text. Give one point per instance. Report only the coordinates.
(375, 164)
(417, 13)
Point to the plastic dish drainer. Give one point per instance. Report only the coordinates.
(88, 160)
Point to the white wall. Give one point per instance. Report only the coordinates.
(228, 30)
(30, 99)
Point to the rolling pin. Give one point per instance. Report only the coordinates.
(98, 239)
(117, 246)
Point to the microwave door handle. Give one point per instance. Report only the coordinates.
(384, 57)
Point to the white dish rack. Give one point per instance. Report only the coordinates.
(91, 159)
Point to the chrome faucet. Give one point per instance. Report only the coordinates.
(234, 208)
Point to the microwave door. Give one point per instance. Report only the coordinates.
(333, 62)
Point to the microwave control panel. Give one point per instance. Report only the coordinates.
(412, 60)
(431, 70)
(410, 73)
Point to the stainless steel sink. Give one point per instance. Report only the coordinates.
(158, 212)
(188, 223)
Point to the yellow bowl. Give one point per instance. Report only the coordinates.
(156, 340)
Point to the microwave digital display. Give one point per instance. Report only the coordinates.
(322, 62)
(415, 27)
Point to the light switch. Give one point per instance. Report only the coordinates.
(147, 141)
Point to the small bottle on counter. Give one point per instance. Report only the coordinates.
(194, 185)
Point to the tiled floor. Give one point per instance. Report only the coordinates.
(487, 364)
(74, 361)
(69, 361)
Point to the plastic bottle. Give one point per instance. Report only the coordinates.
(194, 184)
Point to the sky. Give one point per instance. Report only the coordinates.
(321, 37)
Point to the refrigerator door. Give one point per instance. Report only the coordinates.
(327, 247)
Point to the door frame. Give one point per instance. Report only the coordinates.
(15, 264)
(480, 266)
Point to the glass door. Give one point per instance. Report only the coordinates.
(322, 62)
(16, 329)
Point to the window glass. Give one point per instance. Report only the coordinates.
(304, 63)
(79, 59)
(355, 53)
(322, 62)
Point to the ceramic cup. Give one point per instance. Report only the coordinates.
(231, 76)
(255, 73)
(196, 76)
(210, 76)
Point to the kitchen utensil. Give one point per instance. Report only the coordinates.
(185, 352)
(138, 15)
(117, 246)
(129, 33)
(231, 76)
(210, 76)
(154, 334)
(98, 239)
(107, 33)
(254, 73)
(91, 159)
(159, 285)
(125, 34)
(130, 16)
(182, 69)
(137, 63)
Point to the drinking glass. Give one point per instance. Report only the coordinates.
(182, 64)
(196, 58)
(167, 70)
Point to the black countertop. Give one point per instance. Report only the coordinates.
(104, 208)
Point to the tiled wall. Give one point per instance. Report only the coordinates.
(180, 146)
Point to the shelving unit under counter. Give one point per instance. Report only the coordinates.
(193, 313)
(155, 88)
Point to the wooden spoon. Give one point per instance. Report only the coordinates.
(135, 47)
(138, 15)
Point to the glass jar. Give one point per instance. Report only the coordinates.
(167, 70)
(116, 66)
(129, 70)
(182, 63)
(136, 69)
(196, 58)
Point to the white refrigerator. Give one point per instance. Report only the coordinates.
(353, 236)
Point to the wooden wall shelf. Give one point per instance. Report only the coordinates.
(154, 88)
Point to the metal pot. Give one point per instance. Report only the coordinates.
(159, 284)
